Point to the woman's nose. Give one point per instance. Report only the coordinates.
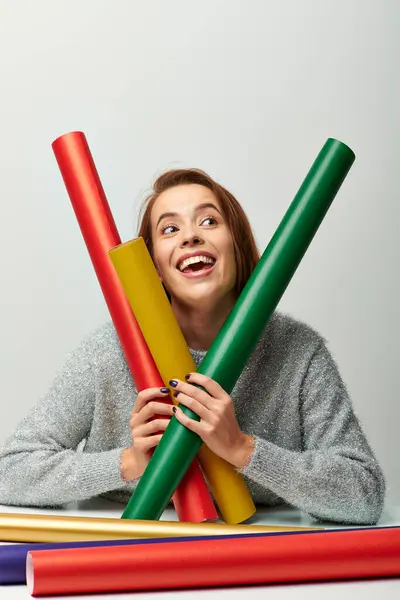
(192, 241)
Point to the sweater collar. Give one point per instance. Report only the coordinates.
(197, 355)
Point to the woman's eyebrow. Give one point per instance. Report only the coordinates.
(167, 214)
(197, 209)
(207, 205)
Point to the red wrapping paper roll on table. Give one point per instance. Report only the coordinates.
(318, 556)
(192, 500)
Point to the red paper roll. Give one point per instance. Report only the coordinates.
(318, 556)
(192, 500)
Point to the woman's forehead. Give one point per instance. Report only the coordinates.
(183, 200)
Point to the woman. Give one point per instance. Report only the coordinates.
(288, 424)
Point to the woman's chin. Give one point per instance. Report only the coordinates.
(204, 295)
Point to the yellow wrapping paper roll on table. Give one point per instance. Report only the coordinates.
(171, 354)
(16, 527)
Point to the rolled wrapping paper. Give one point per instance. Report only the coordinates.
(169, 349)
(354, 554)
(17, 527)
(13, 556)
(192, 499)
(241, 331)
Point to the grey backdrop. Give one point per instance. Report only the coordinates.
(248, 91)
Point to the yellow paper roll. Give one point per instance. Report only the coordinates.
(171, 354)
(16, 527)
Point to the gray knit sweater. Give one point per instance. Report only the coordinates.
(310, 450)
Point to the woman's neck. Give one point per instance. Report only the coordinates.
(200, 327)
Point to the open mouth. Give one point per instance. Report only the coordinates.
(196, 265)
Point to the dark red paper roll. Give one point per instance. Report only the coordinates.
(317, 556)
(192, 500)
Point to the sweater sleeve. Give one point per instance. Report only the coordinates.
(40, 463)
(335, 476)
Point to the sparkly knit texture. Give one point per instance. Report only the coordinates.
(310, 450)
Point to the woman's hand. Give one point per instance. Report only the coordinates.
(218, 427)
(149, 419)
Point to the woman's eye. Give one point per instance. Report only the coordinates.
(212, 219)
(168, 229)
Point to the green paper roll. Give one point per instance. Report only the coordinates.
(242, 329)
(231, 349)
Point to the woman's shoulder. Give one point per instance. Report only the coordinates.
(101, 346)
(283, 335)
(289, 335)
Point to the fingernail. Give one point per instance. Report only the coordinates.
(173, 383)
(164, 390)
(175, 394)
(187, 377)
(174, 409)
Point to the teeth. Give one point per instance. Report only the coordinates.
(195, 259)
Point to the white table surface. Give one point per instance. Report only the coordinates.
(347, 590)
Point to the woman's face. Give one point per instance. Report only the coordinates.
(192, 246)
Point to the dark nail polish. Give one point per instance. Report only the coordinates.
(164, 390)
(187, 377)
(174, 409)
(173, 383)
(175, 394)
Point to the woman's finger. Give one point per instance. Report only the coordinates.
(156, 408)
(196, 426)
(150, 427)
(151, 409)
(147, 395)
(150, 442)
(212, 387)
(194, 405)
(193, 392)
